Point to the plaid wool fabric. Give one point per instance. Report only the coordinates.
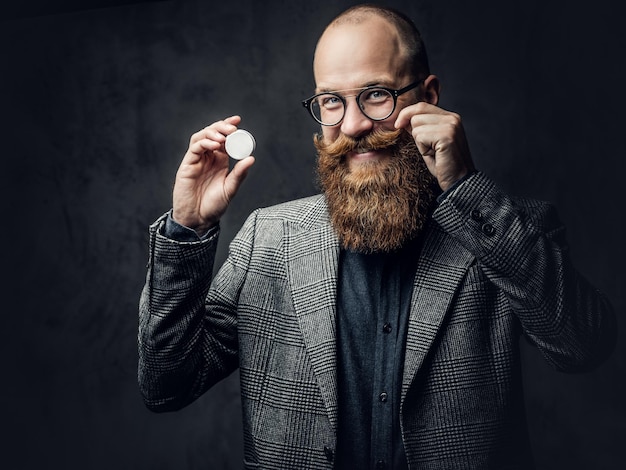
(492, 269)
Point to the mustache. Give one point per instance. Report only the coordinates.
(375, 140)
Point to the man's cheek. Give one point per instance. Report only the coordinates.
(330, 134)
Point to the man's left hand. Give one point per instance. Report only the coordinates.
(441, 140)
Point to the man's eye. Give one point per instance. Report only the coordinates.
(331, 102)
(376, 95)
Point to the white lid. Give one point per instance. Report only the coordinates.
(240, 144)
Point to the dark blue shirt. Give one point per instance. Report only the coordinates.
(373, 302)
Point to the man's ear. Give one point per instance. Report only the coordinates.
(432, 88)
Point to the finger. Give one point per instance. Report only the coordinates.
(425, 149)
(406, 114)
(204, 145)
(421, 112)
(234, 120)
(212, 138)
(218, 130)
(206, 148)
(426, 137)
(237, 175)
(228, 125)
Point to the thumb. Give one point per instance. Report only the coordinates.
(237, 175)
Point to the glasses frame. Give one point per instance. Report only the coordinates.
(394, 94)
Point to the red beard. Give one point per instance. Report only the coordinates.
(380, 205)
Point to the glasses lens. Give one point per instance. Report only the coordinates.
(376, 103)
(328, 109)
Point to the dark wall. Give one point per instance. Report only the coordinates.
(97, 109)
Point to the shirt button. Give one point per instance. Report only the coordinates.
(383, 397)
(380, 465)
(387, 328)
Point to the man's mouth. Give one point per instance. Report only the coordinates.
(369, 154)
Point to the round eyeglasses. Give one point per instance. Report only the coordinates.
(375, 102)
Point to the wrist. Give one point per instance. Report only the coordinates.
(198, 226)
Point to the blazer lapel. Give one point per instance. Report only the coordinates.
(312, 253)
(441, 267)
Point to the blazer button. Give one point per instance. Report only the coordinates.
(476, 215)
(488, 229)
(330, 454)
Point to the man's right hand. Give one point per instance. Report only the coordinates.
(204, 186)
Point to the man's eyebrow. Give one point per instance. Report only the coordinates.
(381, 83)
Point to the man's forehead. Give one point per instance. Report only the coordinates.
(356, 55)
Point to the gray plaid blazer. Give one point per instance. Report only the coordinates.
(492, 269)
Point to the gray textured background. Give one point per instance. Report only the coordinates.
(97, 108)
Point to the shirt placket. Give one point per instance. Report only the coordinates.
(383, 390)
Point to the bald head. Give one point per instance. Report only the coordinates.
(404, 31)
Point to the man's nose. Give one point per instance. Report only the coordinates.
(355, 123)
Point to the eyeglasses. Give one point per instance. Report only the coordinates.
(375, 102)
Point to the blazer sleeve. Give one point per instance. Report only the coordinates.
(186, 341)
(521, 247)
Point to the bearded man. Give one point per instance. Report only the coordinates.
(375, 325)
